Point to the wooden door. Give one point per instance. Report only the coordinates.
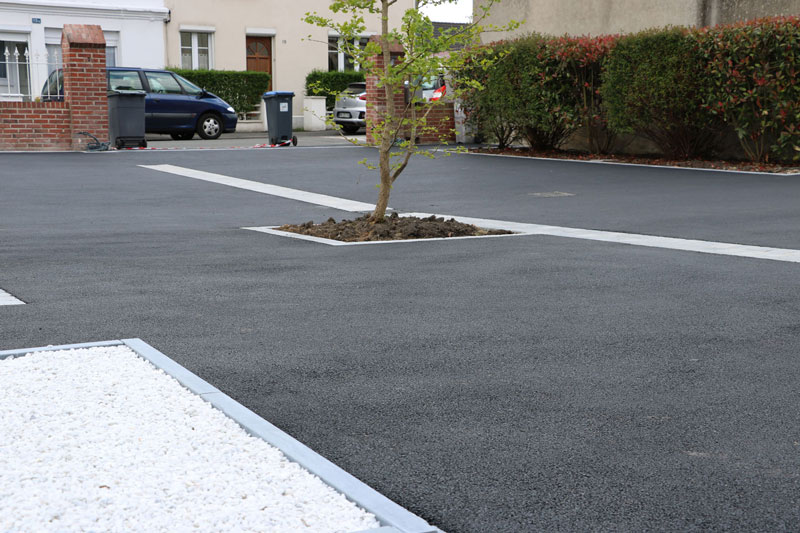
(259, 55)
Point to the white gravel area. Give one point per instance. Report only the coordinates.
(98, 439)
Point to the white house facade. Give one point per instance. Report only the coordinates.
(30, 37)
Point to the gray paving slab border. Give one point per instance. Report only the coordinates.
(622, 163)
(272, 230)
(393, 517)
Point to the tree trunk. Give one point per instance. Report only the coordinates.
(385, 148)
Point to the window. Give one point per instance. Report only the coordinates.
(111, 56)
(196, 50)
(54, 59)
(188, 87)
(124, 80)
(163, 83)
(14, 67)
(338, 59)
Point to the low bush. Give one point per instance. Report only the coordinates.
(653, 84)
(680, 88)
(488, 97)
(241, 89)
(581, 61)
(330, 84)
(752, 70)
(545, 113)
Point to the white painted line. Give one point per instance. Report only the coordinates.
(7, 299)
(651, 241)
(265, 188)
(272, 230)
(602, 162)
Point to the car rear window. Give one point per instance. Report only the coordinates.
(124, 80)
(356, 88)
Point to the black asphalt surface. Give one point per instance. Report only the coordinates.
(509, 384)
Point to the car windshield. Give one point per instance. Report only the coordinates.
(188, 87)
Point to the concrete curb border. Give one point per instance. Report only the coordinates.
(393, 517)
(618, 163)
(272, 230)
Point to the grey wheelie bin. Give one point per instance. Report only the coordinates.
(126, 118)
(279, 116)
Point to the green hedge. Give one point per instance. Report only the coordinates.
(654, 86)
(539, 89)
(330, 84)
(241, 89)
(752, 72)
(488, 98)
(680, 88)
(545, 112)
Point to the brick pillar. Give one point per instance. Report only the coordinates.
(376, 96)
(84, 55)
(441, 117)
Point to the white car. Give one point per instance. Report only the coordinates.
(350, 111)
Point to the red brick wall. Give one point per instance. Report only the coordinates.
(441, 117)
(55, 125)
(35, 126)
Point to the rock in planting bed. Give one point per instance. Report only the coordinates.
(98, 439)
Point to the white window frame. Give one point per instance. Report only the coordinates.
(112, 43)
(194, 31)
(341, 54)
(7, 82)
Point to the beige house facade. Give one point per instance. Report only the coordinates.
(265, 35)
(597, 17)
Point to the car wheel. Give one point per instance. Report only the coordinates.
(350, 128)
(183, 136)
(209, 126)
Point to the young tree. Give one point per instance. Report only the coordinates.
(422, 56)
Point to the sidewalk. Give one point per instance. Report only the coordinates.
(248, 139)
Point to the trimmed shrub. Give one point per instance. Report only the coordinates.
(752, 70)
(488, 98)
(545, 113)
(330, 84)
(241, 89)
(653, 84)
(581, 65)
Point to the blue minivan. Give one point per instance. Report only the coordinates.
(173, 104)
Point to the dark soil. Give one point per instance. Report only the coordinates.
(392, 228)
(641, 160)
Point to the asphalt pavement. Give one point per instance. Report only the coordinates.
(508, 384)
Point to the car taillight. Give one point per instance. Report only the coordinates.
(438, 93)
(362, 96)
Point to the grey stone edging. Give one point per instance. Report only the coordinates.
(11, 353)
(392, 517)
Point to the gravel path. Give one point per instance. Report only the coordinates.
(97, 439)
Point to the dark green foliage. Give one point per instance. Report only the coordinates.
(488, 99)
(654, 85)
(330, 84)
(545, 113)
(752, 70)
(241, 89)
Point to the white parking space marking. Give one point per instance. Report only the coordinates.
(265, 188)
(651, 241)
(7, 299)
(635, 239)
